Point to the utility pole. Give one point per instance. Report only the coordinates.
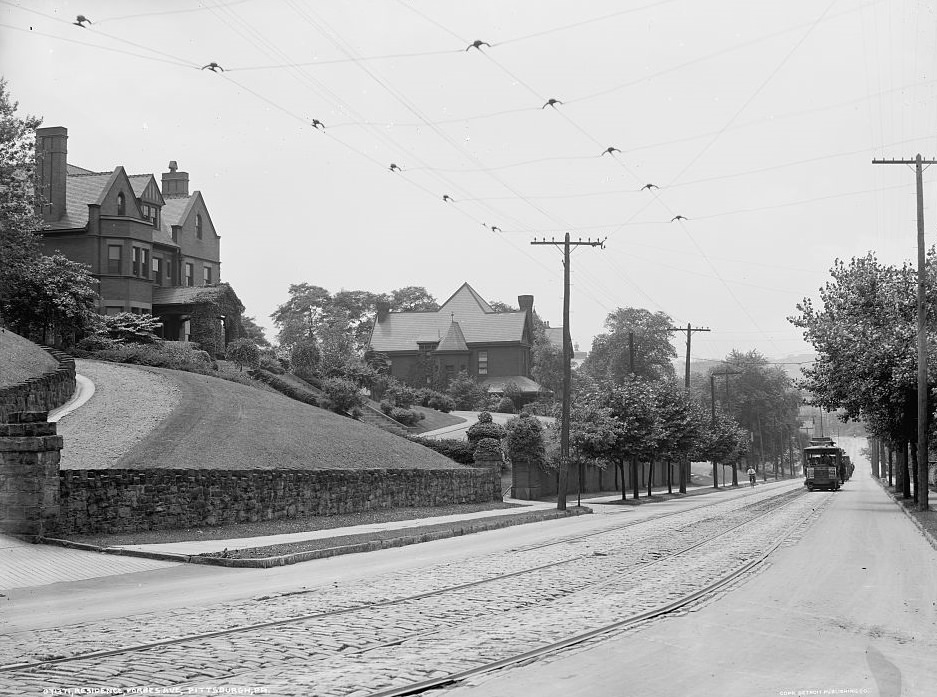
(685, 464)
(919, 163)
(712, 385)
(567, 370)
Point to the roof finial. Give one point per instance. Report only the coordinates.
(173, 166)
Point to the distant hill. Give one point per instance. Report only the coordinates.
(21, 359)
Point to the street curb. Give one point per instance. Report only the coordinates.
(373, 545)
(927, 536)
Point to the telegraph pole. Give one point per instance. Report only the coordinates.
(712, 385)
(567, 370)
(689, 329)
(922, 488)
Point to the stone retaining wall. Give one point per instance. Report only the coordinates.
(42, 393)
(29, 475)
(131, 500)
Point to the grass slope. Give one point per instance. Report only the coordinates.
(21, 359)
(225, 425)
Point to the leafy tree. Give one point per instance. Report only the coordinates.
(525, 440)
(55, 303)
(300, 316)
(682, 425)
(467, 392)
(344, 395)
(761, 399)
(725, 442)
(243, 352)
(611, 355)
(304, 358)
(19, 221)
(864, 333)
(638, 429)
(412, 299)
(254, 332)
(128, 328)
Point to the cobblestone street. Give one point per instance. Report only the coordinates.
(408, 626)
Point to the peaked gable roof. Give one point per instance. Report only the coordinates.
(475, 319)
(83, 190)
(454, 340)
(146, 184)
(464, 297)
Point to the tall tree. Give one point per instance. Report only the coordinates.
(254, 332)
(19, 221)
(864, 333)
(636, 338)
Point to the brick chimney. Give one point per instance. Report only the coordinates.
(526, 302)
(175, 183)
(52, 170)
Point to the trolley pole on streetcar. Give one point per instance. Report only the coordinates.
(567, 370)
(922, 489)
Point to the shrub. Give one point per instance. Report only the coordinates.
(405, 416)
(130, 328)
(484, 418)
(401, 395)
(441, 402)
(505, 406)
(243, 352)
(484, 429)
(467, 393)
(525, 440)
(387, 407)
(304, 358)
(271, 365)
(489, 448)
(423, 395)
(95, 342)
(168, 354)
(454, 449)
(343, 394)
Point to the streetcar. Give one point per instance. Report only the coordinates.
(824, 467)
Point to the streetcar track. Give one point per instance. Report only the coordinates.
(245, 628)
(619, 625)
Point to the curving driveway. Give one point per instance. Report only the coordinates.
(458, 431)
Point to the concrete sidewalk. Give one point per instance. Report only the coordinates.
(202, 546)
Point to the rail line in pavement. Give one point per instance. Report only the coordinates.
(372, 633)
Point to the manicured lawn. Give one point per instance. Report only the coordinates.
(225, 425)
(21, 359)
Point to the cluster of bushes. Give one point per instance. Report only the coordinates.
(484, 428)
(461, 451)
(399, 394)
(408, 417)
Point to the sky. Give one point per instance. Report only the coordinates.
(757, 122)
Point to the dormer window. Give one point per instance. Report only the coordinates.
(150, 213)
(198, 226)
(121, 204)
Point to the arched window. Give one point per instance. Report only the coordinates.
(121, 204)
(198, 225)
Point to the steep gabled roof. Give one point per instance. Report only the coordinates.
(454, 341)
(84, 189)
(465, 297)
(140, 182)
(477, 322)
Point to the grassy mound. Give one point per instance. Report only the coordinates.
(21, 359)
(225, 425)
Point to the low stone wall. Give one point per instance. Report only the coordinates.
(42, 393)
(131, 500)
